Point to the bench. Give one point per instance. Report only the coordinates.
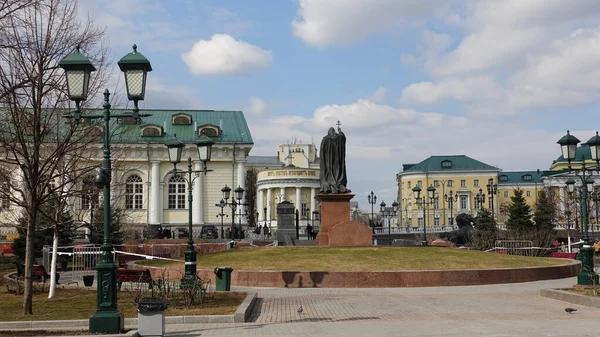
(8, 251)
(38, 274)
(134, 276)
(125, 258)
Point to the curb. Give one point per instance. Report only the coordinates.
(240, 316)
(567, 296)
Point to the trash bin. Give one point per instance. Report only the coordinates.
(223, 278)
(151, 316)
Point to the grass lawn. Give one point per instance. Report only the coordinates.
(358, 259)
(80, 303)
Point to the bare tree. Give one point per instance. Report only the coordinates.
(39, 146)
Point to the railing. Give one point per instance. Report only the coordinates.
(405, 230)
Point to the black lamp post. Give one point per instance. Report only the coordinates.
(450, 199)
(480, 199)
(596, 197)
(221, 215)
(372, 198)
(107, 318)
(417, 194)
(492, 189)
(239, 194)
(204, 147)
(388, 214)
(568, 144)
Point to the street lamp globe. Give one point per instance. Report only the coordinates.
(226, 191)
(568, 145)
(416, 192)
(204, 145)
(239, 193)
(430, 191)
(175, 148)
(136, 67)
(570, 185)
(382, 207)
(589, 182)
(395, 207)
(594, 144)
(78, 69)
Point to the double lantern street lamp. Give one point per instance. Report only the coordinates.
(450, 199)
(431, 195)
(372, 198)
(107, 318)
(388, 213)
(568, 143)
(239, 195)
(492, 189)
(204, 147)
(480, 199)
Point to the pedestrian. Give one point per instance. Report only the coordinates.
(309, 231)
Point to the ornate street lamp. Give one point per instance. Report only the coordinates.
(480, 199)
(107, 318)
(372, 198)
(204, 147)
(450, 199)
(221, 215)
(568, 144)
(423, 200)
(239, 195)
(388, 214)
(492, 189)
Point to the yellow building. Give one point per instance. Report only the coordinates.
(457, 175)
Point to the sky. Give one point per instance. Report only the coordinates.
(497, 80)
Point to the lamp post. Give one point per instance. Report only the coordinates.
(107, 318)
(568, 144)
(480, 199)
(417, 194)
(239, 194)
(388, 214)
(596, 197)
(204, 147)
(450, 199)
(221, 215)
(372, 198)
(492, 189)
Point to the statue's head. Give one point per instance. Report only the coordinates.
(464, 219)
(331, 131)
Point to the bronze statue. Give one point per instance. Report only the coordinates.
(333, 163)
(464, 233)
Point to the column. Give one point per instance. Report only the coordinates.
(562, 198)
(269, 202)
(313, 207)
(197, 216)
(281, 194)
(155, 200)
(241, 176)
(298, 200)
(260, 204)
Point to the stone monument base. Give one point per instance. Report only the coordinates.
(336, 228)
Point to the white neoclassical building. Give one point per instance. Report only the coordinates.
(292, 175)
(142, 179)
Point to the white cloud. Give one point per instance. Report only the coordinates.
(379, 94)
(321, 23)
(462, 89)
(257, 106)
(224, 55)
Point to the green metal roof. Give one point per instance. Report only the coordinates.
(522, 177)
(233, 126)
(456, 163)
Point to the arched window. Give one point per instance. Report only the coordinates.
(177, 192)
(134, 192)
(89, 193)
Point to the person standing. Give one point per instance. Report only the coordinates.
(309, 231)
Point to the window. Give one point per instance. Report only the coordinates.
(527, 177)
(463, 202)
(446, 164)
(409, 222)
(134, 192)
(419, 204)
(477, 204)
(152, 131)
(476, 182)
(182, 119)
(503, 178)
(528, 193)
(436, 183)
(420, 183)
(420, 222)
(177, 192)
(410, 184)
(208, 132)
(436, 221)
(436, 203)
(304, 211)
(450, 183)
(506, 194)
(89, 193)
(463, 183)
